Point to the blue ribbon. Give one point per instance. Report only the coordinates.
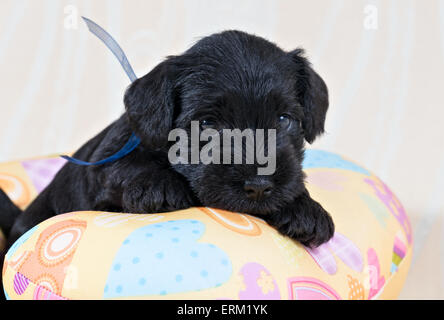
(109, 41)
(112, 45)
(132, 143)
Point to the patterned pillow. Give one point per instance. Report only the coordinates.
(205, 253)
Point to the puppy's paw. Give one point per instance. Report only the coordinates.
(157, 194)
(305, 221)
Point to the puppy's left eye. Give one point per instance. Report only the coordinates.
(207, 124)
(285, 121)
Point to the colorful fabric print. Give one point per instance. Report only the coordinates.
(20, 283)
(306, 288)
(392, 203)
(41, 293)
(327, 180)
(291, 252)
(16, 189)
(324, 159)
(357, 291)
(376, 281)
(42, 171)
(45, 266)
(165, 258)
(338, 246)
(240, 223)
(259, 283)
(399, 252)
(114, 219)
(378, 209)
(20, 241)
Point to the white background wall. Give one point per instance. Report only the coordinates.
(59, 86)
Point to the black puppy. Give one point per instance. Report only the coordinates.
(227, 80)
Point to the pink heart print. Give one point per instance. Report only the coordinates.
(376, 281)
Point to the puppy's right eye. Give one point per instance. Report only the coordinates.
(207, 124)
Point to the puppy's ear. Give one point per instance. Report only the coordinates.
(149, 103)
(312, 93)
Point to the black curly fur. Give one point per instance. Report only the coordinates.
(239, 81)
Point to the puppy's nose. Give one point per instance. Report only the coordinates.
(258, 188)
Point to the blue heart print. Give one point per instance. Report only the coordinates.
(164, 258)
(324, 159)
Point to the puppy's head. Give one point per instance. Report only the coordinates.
(233, 80)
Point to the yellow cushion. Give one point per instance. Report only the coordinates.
(204, 253)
